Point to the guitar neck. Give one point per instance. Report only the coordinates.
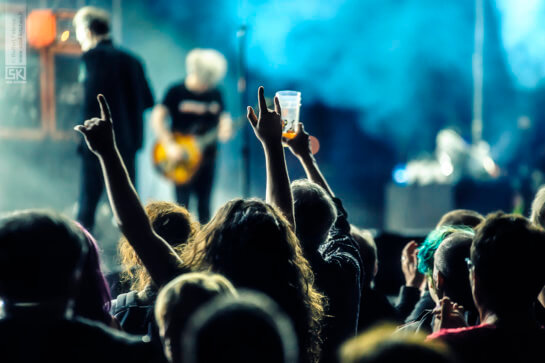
(208, 138)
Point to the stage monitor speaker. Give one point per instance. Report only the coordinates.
(416, 209)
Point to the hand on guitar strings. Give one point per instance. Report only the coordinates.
(176, 153)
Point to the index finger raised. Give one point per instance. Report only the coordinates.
(261, 98)
(105, 113)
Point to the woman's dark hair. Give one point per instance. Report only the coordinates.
(314, 213)
(93, 300)
(252, 244)
(41, 256)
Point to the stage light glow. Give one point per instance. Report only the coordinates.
(399, 174)
(490, 166)
(65, 35)
(445, 164)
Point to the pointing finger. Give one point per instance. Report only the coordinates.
(261, 98)
(105, 113)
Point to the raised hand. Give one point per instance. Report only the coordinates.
(448, 315)
(409, 265)
(268, 127)
(99, 132)
(300, 144)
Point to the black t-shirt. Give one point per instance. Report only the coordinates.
(77, 340)
(195, 113)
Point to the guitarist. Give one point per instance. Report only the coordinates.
(195, 107)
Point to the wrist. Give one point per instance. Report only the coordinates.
(306, 157)
(107, 151)
(272, 146)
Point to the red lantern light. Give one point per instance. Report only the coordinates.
(41, 28)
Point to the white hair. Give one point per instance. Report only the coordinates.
(93, 18)
(208, 65)
(538, 208)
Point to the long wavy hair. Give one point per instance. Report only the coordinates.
(170, 221)
(252, 244)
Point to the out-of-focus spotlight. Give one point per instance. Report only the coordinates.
(490, 166)
(65, 35)
(524, 122)
(399, 174)
(445, 164)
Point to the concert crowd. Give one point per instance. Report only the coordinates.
(286, 278)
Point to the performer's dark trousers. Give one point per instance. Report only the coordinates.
(201, 186)
(92, 185)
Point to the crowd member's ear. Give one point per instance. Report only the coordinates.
(473, 281)
(439, 281)
(432, 288)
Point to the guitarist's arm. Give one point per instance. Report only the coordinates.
(225, 127)
(159, 117)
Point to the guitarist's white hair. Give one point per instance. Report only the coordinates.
(208, 65)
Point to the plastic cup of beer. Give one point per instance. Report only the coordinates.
(290, 103)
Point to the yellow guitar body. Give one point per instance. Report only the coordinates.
(180, 172)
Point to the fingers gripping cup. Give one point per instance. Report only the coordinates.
(290, 103)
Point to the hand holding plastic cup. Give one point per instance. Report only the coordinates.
(290, 103)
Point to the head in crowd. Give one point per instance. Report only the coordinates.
(426, 251)
(170, 221)
(179, 299)
(538, 218)
(507, 271)
(92, 25)
(368, 251)
(315, 213)
(249, 328)
(379, 344)
(206, 67)
(251, 243)
(450, 276)
(41, 259)
(461, 217)
(93, 299)
(538, 208)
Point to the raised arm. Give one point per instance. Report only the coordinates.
(268, 129)
(300, 147)
(157, 256)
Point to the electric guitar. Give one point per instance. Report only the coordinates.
(182, 171)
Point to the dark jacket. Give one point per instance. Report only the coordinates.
(39, 339)
(120, 77)
(339, 275)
